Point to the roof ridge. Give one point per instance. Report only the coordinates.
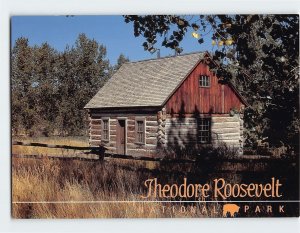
(170, 56)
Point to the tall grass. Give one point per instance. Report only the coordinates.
(54, 180)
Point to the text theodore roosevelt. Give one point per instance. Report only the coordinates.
(219, 188)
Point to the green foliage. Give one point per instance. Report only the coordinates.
(121, 60)
(49, 88)
(258, 53)
(151, 26)
(23, 106)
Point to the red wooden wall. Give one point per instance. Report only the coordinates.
(189, 98)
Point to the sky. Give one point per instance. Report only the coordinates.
(111, 31)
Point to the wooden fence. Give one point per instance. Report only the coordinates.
(100, 152)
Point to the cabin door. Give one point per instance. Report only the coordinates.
(121, 137)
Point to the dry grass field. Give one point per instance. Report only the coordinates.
(71, 188)
(86, 183)
(50, 180)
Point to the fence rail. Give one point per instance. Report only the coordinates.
(100, 151)
(37, 144)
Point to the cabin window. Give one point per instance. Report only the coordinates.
(140, 130)
(204, 81)
(204, 130)
(105, 129)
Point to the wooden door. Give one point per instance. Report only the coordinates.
(121, 137)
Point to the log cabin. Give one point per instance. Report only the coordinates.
(167, 102)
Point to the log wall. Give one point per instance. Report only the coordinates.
(225, 129)
(147, 149)
(163, 130)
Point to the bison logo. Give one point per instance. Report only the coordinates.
(231, 209)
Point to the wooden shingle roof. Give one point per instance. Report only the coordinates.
(145, 83)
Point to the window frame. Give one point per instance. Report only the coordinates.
(103, 130)
(140, 119)
(205, 81)
(204, 128)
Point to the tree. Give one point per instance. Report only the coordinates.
(259, 53)
(67, 116)
(50, 88)
(45, 88)
(121, 60)
(22, 107)
(85, 70)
